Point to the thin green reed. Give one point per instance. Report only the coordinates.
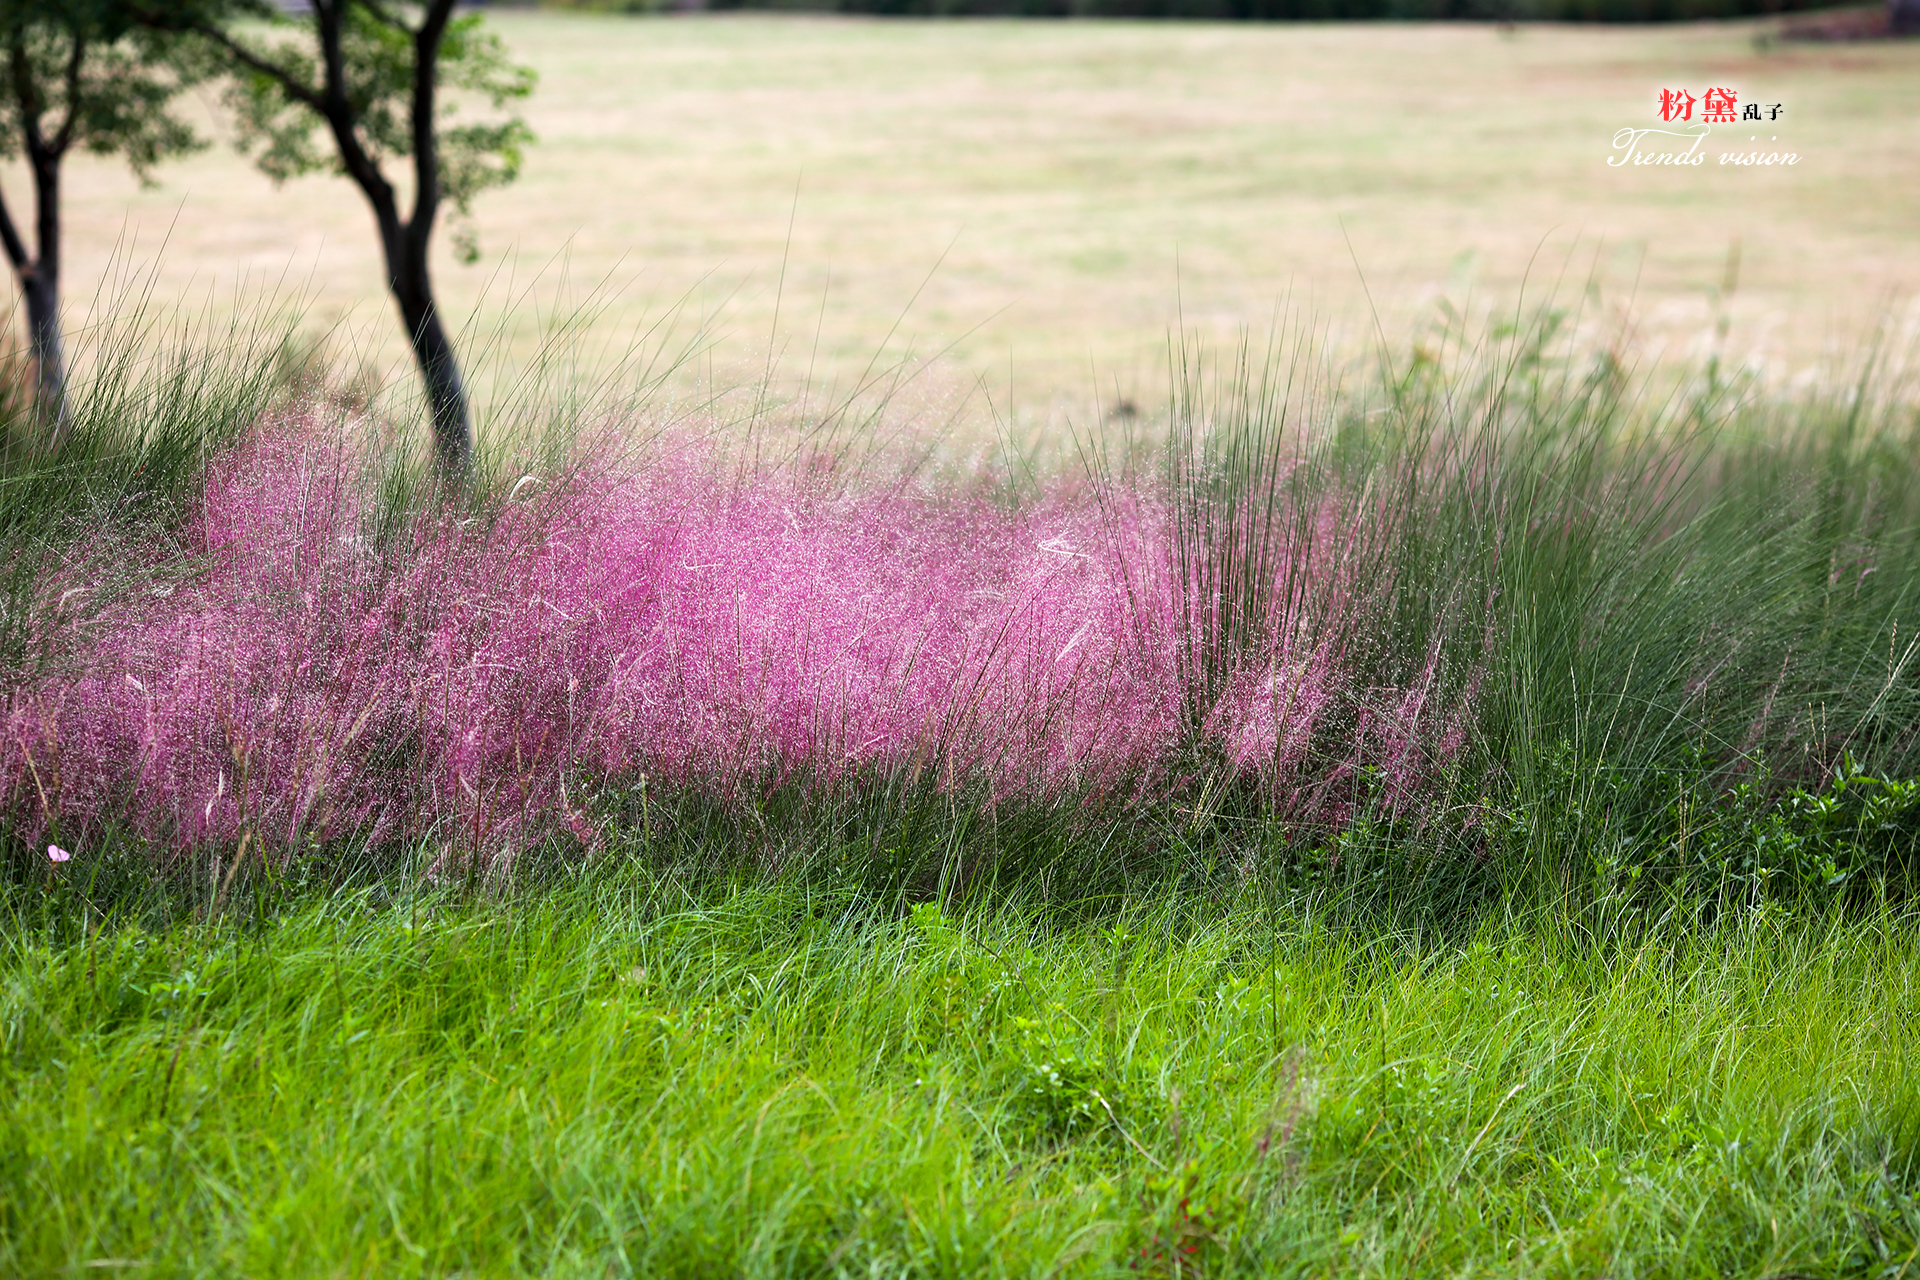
(1631, 578)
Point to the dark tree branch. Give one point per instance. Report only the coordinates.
(383, 15)
(26, 93)
(336, 108)
(426, 150)
(63, 136)
(252, 61)
(10, 239)
(328, 20)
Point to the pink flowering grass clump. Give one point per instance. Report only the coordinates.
(296, 663)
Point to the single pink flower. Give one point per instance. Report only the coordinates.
(56, 854)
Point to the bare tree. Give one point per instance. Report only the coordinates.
(75, 73)
(371, 73)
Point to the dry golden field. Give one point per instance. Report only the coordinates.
(1068, 192)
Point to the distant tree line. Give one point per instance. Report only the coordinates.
(1262, 10)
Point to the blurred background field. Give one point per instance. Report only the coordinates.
(1069, 192)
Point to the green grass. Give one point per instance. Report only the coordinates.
(621, 1076)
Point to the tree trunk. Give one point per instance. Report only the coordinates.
(412, 289)
(439, 368)
(43, 338)
(403, 242)
(39, 274)
(440, 371)
(1903, 16)
(41, 284)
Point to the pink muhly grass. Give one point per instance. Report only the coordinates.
(288, 673)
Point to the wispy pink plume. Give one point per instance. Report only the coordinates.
(283, 672)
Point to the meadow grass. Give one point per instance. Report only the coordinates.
(1456, 820)
(628, 1074)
